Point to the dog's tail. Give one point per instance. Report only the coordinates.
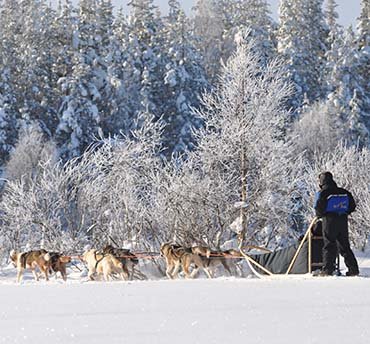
(208, 253)
(13, 255)
(47, 257)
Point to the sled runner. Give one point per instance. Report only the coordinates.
(300, 258)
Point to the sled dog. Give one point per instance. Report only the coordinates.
(31, 260)
(181, 257)
(106, 265)
(225, 258)
(201, 251)
(58, 263)
(125, 256)
(212, 259)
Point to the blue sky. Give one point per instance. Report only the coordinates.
(348, 10)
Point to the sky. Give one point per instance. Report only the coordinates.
(348, 10)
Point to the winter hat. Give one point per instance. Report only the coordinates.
(325, 178)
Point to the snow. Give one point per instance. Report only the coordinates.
(283, 310)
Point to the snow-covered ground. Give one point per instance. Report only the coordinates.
(300, 309)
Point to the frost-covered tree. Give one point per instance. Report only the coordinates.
(318, 130)
(242, 143)
(191, 207)
(302, 38)
(49, 204)
(119, 201)
(31, 149)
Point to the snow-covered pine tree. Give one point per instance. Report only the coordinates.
(335, 36)
(302, 38)
(364, 25)
(144, 63)
(124, 102)
(10, 30)
(331, 18)
(358, 133)
(184, 81)
(344, 82)
(120, 104)
(105, 47)
(254, 17)
(38, 53)
(363, 65)
(79, 116)
(208, 27)
(7, 128)
(66, 23)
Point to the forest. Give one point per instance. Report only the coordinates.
(143, 127)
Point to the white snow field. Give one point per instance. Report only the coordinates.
(298, 309)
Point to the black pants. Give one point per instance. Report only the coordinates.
(335, 235)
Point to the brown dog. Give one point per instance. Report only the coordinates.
(31, 260)
(124, 255)
(58, 263)
(107, 265)
(221, 258)
(201, 251)
(177, 256)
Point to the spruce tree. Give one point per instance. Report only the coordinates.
(79, 117)
(346, 92)
(301, 42)
(209, 28)
(363, 61)
(124, 100)
(254, 17)
(184, 81)
(144, 58)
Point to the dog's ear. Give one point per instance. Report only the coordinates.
(65, 259)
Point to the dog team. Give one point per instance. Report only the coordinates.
(111, 262)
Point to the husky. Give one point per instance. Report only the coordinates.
(105, 264)
(127, 258)
(225, 258)
(58, 263)
(181, 257)
(32, 259)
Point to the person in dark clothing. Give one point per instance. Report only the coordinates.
(333, 205)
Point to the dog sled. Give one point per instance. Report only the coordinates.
(304, 257)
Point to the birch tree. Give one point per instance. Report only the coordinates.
(242, 143)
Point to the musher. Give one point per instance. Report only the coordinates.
(333, 205)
